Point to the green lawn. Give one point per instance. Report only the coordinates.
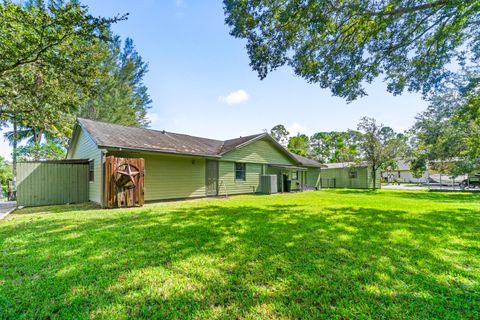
(336, 254)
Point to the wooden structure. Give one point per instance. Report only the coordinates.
(52, 182)
(124, 182)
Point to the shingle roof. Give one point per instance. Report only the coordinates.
(346, 165)
(110, 135)
(306, 161)
(118, 136)
(231, 144)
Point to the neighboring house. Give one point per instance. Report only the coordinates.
(402, 173)
(348, 175)
(182, 166)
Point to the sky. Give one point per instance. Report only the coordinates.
(201, 83)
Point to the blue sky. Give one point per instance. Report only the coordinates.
(201, 83)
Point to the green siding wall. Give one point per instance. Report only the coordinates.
(378, 183)
(343, 180)
(85, 148)
(280, 172)
(262, 151)
(41, 183)
(170, 176)
(227, 183)
(313, 178)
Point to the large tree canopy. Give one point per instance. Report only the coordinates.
(335, 146)
(48, 58)
(342, 45)
(35, 31)
(58, 61)
(448, 132)
(299, 144)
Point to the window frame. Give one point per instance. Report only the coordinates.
(91, 170)
(353, 174)
(243, 170)
(295, 175)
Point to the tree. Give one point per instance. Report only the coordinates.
(40, 30)
(48, 62)
(328, 147)
(41, 144)
(280, 133)
(447, 132)
(48, 150)
(418, 166)
(343, 45)
(299, 144)
(49, 44)
(121, 97)
(5, 171)
(379, 144)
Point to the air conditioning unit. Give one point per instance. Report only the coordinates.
(268, 184)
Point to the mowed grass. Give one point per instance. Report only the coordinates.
(335, 254)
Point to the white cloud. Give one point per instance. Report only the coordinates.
(153, 117)
(235, 97)
(296, 128)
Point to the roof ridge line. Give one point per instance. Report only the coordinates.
(165, 131)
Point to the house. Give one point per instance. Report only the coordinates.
(348, 175)
(402, 173)
(179, 166)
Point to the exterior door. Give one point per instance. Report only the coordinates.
(211, 177)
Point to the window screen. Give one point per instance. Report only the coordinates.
(240, 169)
(294, 175)
(91, 171)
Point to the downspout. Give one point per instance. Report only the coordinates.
(102, 177)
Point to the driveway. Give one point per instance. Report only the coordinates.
(403, 187)
(6, 207)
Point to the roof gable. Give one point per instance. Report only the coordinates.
(262, 149)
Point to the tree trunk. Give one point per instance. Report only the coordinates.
(37, 133)
(374, 177)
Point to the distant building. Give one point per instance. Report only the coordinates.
(402, 173)
(348, 175)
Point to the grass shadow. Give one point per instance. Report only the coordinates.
(243, 260)
(58, 208)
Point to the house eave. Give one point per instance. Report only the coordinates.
(119, 148)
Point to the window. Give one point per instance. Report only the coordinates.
(91, 171)
(240, 170)
(353, 174)
(294, 175)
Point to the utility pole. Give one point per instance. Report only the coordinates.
(13, 190)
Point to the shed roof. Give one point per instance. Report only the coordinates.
(339, 165)
(306, 161)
